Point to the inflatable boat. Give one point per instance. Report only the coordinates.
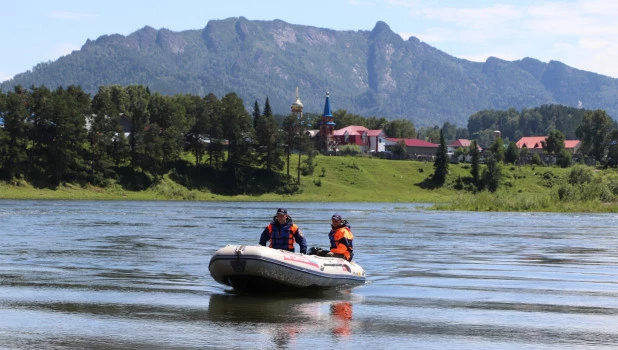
(256, 268)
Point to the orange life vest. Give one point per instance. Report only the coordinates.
(282, 237)
(341, 241)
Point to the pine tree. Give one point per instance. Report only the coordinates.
(512, 153)
(497, 149)
(476, 163)
(492, 174)
(268, 112)
(137, 110)
(213, 126)
(237, 129)
(108, 145)
(256, 114)
(267, 140)
(441, 163)
(66, 136)
(164, 134)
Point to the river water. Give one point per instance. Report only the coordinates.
(134, 275)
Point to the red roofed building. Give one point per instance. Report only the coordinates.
(367, 140)
(460, 143)
(532, 143)
(377, 140)
(415, 147)
(352, 135)
(535, 144)
(572, 145)
(452, 147)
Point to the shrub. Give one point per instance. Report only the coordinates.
(308, 166)
(566, 193)
(459, 184)
(611, 182)
(565, 159)
(595, 191)
(548, 175)
(536, 159)
(581, 174)
(288, 188)
(350, 150)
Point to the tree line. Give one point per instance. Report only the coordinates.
(133, 136)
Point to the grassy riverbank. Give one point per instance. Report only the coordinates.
(353, 179)
(361, 179)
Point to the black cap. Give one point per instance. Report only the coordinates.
(282, 211)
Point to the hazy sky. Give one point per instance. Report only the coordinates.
(580, 33)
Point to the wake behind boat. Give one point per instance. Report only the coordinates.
(257, 268)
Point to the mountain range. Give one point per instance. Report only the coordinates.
(370, 73)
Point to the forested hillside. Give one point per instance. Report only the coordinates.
(369, 73)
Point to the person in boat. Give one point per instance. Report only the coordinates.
(341, 238)
(282, 232)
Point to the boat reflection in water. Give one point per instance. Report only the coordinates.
(342, 316)
(285, 317)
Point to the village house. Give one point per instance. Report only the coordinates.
(415, 148)
(534, 144)
(352, 135)
(452, 147)
(460, 143)
(367, 140)
(377, 141)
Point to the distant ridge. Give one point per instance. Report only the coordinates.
(371, 73)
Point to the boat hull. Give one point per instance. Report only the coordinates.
(258, 268)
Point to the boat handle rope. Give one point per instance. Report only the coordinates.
(239, 250)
